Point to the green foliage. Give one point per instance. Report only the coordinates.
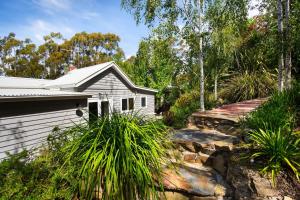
(122, 154)
(278, 149)
(184, 106)
(249, 85)
(278, 112)
(52, 58)
(27, 176)
(272, 125)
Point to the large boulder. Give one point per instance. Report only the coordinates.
(195, 179)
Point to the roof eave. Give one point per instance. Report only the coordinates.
(41, 98)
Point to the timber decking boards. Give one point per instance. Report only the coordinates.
(232, 112)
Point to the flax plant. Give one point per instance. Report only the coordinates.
(121, 157)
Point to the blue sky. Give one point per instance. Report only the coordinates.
(35, 18)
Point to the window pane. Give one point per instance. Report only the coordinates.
(131, 104)
(124, 104)
(143, 101)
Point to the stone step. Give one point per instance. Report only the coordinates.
(227, 126)
(194, 180)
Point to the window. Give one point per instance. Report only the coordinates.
(131, 103)
(143, 101)
(124, 104)
(127, 104)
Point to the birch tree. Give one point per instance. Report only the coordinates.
(287, 60)
(182, 17)
(280, 36)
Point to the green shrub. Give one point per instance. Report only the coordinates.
(184, 106)
(122, 155)
(278, 112)
(26, 175)
(249, 86)
(278, 149)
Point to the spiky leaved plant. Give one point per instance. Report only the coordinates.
(121, 156)
(279, 149)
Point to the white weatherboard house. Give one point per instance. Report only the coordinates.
(31, 108)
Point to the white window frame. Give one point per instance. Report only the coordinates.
(127, 98)
(145, 102)
(110, 104)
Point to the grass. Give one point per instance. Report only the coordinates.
(249, 85)
(121, 156)
(278, 112)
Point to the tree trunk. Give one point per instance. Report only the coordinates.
(216, 87)
(202, 107)
(280, 34)
(287, 60)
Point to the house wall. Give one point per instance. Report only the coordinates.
(111, 86)
(27, 124)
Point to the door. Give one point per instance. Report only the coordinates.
(93, 111)
(104, 108)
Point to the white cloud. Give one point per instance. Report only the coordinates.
(51, 6)
(39, 28)
(89, 15)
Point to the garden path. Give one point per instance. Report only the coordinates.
(202, 155)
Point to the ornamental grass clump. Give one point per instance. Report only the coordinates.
(278, 149)
(121, 156)
(249, 85)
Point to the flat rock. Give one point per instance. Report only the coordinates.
(172, 196)
(194, 179)
(264, 187)
(196, 140)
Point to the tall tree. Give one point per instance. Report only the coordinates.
(280, 36)
(189, 12)
(287, 60)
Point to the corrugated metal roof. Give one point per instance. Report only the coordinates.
(76, 76)
(20, 92)
(72, 79)
(16, 82)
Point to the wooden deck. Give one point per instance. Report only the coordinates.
(232, 112)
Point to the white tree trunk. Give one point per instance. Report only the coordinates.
(280, 33)
(287, 60)
(202, 107)
(216, 87)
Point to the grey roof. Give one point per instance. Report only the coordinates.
(16, 82)
(77, 77)
(74, 77)
(21, 92)
(15, 87)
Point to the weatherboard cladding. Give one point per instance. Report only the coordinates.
(28, 124)
(110, 85)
